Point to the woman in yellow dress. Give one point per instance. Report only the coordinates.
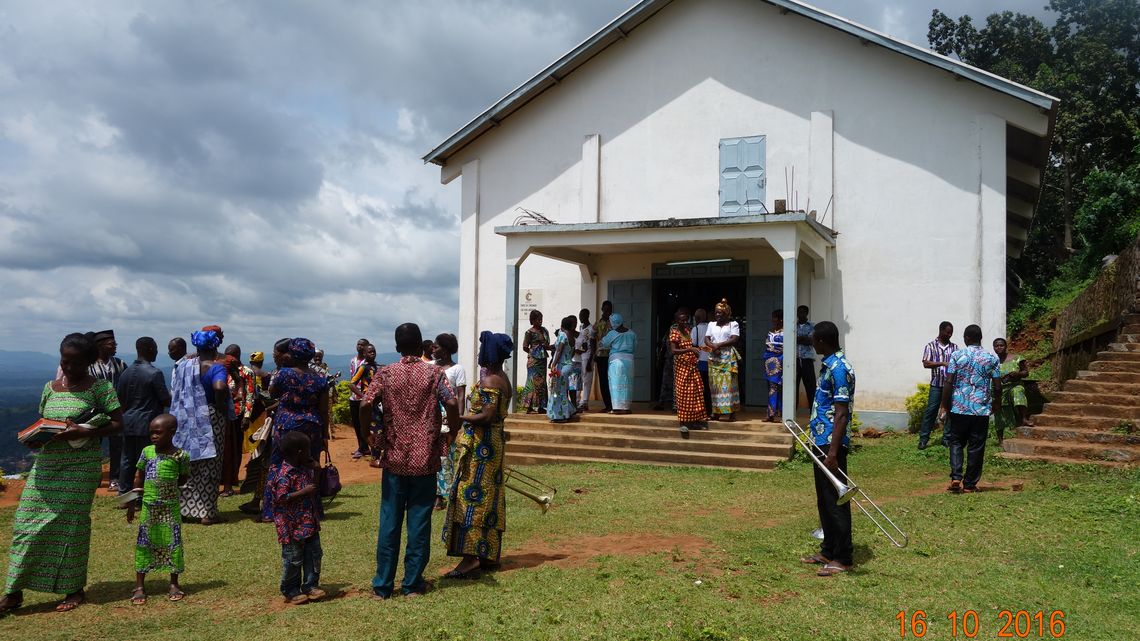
(477, 511)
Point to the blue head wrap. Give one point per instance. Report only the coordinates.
(494, 348)
(616, 320)
(205, 339)
(302, 349)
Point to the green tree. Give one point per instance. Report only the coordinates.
(1089, 59)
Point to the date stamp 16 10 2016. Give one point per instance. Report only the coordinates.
(1010, 624)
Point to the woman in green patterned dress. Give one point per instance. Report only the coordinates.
(477, 511)
(536, 344)
(51, 538)
(1014, 410)
(162, 468)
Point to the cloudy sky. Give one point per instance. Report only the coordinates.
(165, 165)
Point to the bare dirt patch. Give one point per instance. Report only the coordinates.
(582, 551)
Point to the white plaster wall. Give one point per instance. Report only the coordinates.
(907, 169)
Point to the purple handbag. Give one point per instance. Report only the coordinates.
(329, 484)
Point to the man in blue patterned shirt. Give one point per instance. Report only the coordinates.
(971, 394)
(830, 415)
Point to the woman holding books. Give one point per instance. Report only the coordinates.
(51, 537)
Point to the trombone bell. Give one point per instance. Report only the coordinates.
(532, 488)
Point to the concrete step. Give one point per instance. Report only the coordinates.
(1100, 387)
(1086, 451)
(1072, 435)
(1128, 338)
(1093, 409)
(514, 458)
(1080, 398)
(638, 455)
(1130, 378)
(1130, 329)
(1057, 460)
(1104, 424)
(1133, 356)
(1113, 365)
(1130, 319)
(673, 442)
(714, 433)
(1116, 348)
(656, 419)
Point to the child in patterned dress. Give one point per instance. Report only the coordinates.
(162, 468)
(297, 517)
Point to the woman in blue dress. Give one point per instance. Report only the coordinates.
(303, 405)
(774, 366)
(621, 341)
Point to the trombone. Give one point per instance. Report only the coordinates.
(530, 487)
(847, 489)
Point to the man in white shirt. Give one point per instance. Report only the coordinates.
(584, 355)
(700, 329)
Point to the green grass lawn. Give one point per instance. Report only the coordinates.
(1068, 542)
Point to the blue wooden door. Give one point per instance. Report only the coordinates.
(743, 181)
(633, 299)
(765, 294)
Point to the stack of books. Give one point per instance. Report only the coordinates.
(40, 432)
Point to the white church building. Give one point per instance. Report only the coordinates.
(762, 151)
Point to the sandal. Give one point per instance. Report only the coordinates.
(175, 594)
(12, 602)
(832, 568)
(815, 559)
(71, 601)
(955, 486)
(470, 575)
(138, 597)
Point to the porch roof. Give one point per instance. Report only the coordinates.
(785, 233)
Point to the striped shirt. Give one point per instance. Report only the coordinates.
(936, 352)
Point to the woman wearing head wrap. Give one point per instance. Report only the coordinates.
(476, 513)
(303, 405)
(621, 343)
(721, 340)
(200, 400)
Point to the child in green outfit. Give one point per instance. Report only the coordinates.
(161, 469)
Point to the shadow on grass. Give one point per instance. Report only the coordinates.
(106, 592)
(862, 554)
(335, 515)
(529, 560)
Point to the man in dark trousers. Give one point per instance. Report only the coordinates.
(411, 392)
(971, 394)
(143, 395)
(805, 354)
(110, 368)
(830, 415)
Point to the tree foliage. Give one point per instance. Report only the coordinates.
(1090, 60)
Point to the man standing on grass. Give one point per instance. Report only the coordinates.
(109, 368)
(143, 395)
(830, 414)
(935, 357)
(971, 394)
(805, 354)
(411, 444)
(584, 354)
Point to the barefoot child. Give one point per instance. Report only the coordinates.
(161, 469)
(294, 495)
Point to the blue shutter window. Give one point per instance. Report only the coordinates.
(742, 177)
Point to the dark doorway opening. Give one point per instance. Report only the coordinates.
(669, 294)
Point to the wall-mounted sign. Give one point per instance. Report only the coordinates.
(529, 300)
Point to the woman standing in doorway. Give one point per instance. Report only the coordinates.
(721, 340)
(536, 344)
(621, 343)
(774, 366)
(688, 391)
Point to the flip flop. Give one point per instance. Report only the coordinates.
(175, 595)
(470, 575)
(831, 569)
(138, 597)
(815, 559)
(12, 605)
